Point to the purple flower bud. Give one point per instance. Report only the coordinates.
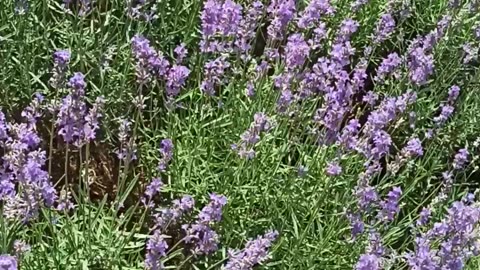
(470, 52)
(461, 158)
(313, 13)
(254, 253)
(296, 52)
(151, 190)
(388, 66)
(420, 65)
(180, 52)
(177, 75)
(333, 169)
(453, 94)
(281, 13)
(213, 211)
(166, 152)
(424, 217)
(413, 148)
(156, 249)
(368, 262)
(390, 205)
(384, 28)
(127, 149)
(8, 262)
(445, 113)
(347, 28)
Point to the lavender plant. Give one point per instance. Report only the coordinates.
(239, 134)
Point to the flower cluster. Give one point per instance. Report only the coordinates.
(456, 236)
(151, 65)
(76, 124)
(200, 234)
(255, 252)
(22, 166)
(142, 10)
(245, 149)
(8, 262)
(128, 148)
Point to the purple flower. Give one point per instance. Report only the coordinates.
(204, 239)
(388, 66)
(8, 262)
(261, 124)
(156, 249)
(382, 142)
(445, 113)
(366, 196)
(281, 13)
(76, 125)
(214, 75)
(255, 252)
(64, 202)
(176, 78)
(181, 53)
(476, 30)
(456, 240)
(250, 89)
(219, 18)
(384, 28)
(359, 75)
(453, 94)
(347, 28)
(82, 6)
(348, 138)
(172, 215)
(185, 204)
(420, 65)
(61, 57)
(333, 169)
(423, 258)
(91, 124)
(313, 12)
(341, 52)
(142, 10)
(247, 29)
(390, 205)
(128, 149)
(213, 211)
(470, 52)
(368, 262)
(166, 152)
(151, 190)
(413, 148)
(370, 98)
(149, 63)
(358, 227)
(3, 127)
(461, 158)
(319, 34)
(296, 52)
(424, 217)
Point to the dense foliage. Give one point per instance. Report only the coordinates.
(221, 134)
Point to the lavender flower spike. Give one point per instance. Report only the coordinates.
(8, 262)
(255, 252)
(166, 152)
(156, 249)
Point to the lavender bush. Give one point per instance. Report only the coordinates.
(224, 134)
